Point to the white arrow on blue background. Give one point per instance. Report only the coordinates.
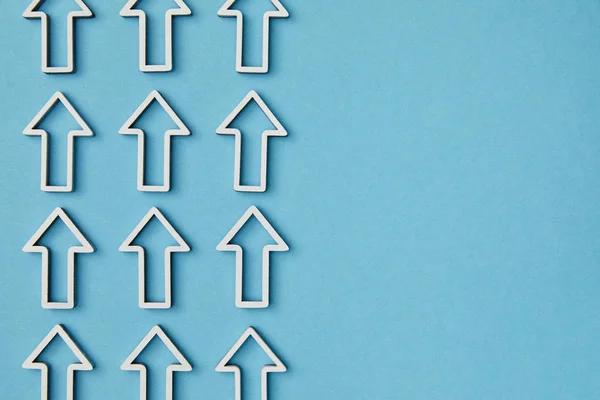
(227, 245)
(83, 365)
(225, 366)
(130, 11)
(225, 129)
(128, 246)
(32, 247)
(128, 129)
(130, 365)
(33, 12)
(32, 130)
(227, 11)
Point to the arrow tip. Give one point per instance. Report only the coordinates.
(128, 129)
(224, 366)
(128, 246)
(252, 96)
(57, 97)
(226, 10)
(58, 213)
(253, 211)
(58, 330)
(129, 363)
(32, 10)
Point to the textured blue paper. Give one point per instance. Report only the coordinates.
(439, 190)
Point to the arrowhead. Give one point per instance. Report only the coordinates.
(58, 213)
(130, 10)
(32, 11)
(224, 128)
(32, 128)
(83, 365)
(130, 365)
(227, 245)
(224, 365)
(128, 245)
(227, 10)
(128, 129)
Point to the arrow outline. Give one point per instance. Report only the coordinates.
(129, 11)
(224, 129)
(85, 364)
(129, 365)
(181, 130)
(31, 247)
(85, 131)
(281, 12)
(278, 365)
(128, 247)
(239, 260)
(85, 12)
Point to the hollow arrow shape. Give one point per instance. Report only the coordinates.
(227, 245)
(33, 12)
(130, 11)
(32, 130)
(32, 247)
(128, 246)
(130, 365)
(83, 365)
(128, 129)
(227, 11)
(225, 129)
(225, 366)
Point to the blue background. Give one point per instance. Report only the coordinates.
(439, 190)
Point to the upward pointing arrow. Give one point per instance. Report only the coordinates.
(83, 365)
(32, 130)
(130, 11)
(130, 365)
(32, 247)
(33, 12)
(225, 129)
(128, 246)
(224, 365)
(227, 245)
(228, 11)
(128, 129)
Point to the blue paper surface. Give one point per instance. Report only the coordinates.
(438, 189)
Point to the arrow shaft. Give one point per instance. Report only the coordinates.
(143, 163)
(142, 281)
(45, 39)
(238, 162)
(264, 391)
(45, 162)
(143, 44)
(240, 46)
(46, 302)
(46, 391)
(239, 289)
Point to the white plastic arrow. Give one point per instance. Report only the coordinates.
(129, 11)
(225, 245)
(226, 11)
(32, 247)
(84, 12)
(130, 365)
(32, 130)
(128, 246)
(83, 365)
(224, 129)
(277, 365)
(127, 129)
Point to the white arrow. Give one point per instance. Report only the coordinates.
(129, 11)
(32, 247)
(83, 12)
(130, 365)
(32, 130)
(224, 365)
(227, 11)
(128, 246)
(83, 365)
(226, 245)
(224, 129)
(127, 129)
